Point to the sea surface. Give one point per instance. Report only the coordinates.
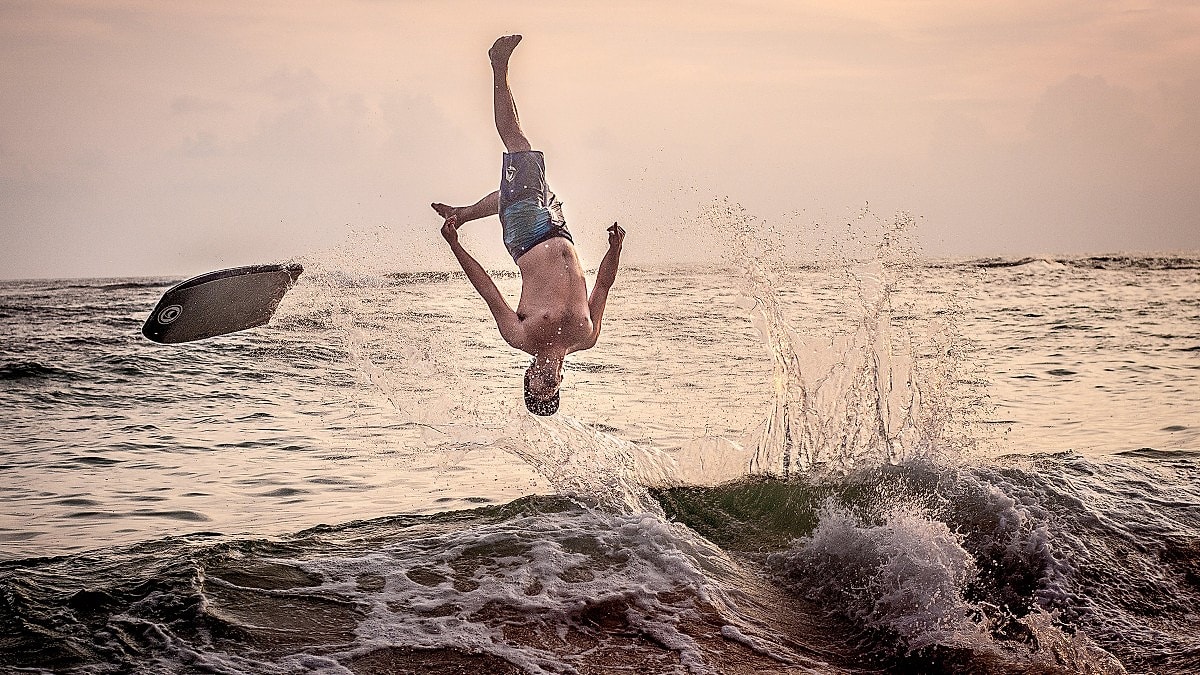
(855, 464)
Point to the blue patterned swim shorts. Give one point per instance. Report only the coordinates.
(529, 211)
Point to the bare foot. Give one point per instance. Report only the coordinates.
(445, 211)
(503, 48)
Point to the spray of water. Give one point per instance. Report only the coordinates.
(875, 388)
(882, 386)
(419, 372)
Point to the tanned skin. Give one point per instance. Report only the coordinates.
(556, 315)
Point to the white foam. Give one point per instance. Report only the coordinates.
(906, 576)
(543, 570)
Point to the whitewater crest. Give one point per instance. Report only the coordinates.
(916, 587)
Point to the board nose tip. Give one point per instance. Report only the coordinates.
(151, 330)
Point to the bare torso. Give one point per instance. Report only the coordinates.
(556, 315)
(553, 310)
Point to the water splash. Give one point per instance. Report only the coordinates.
(586, 463)
(875, 389)
(424, 385)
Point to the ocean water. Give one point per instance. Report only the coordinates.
(866, 462)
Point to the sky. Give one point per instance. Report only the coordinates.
(172, 138)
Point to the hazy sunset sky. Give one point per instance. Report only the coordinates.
(177, 137)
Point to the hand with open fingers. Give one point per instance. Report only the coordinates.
(616, 236)
(450, 229)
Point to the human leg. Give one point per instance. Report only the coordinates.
(507, 122)
(488, 206)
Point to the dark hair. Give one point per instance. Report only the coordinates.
(539, 406)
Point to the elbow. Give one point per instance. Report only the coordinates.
(590, 341)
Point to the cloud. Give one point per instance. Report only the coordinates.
(1082, 116)
(188, 105)
(1182, 120)
(1100, 169)
(148, 137)
(288, 84)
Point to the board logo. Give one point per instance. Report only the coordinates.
(169, 314)
(510, 173)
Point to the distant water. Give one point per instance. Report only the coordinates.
(887, 465)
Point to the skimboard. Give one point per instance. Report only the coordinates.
(220, 302)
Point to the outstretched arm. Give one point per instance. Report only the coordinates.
(606, 276)
(506, 318)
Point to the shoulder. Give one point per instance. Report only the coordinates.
(582, 346)
(587, 342)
